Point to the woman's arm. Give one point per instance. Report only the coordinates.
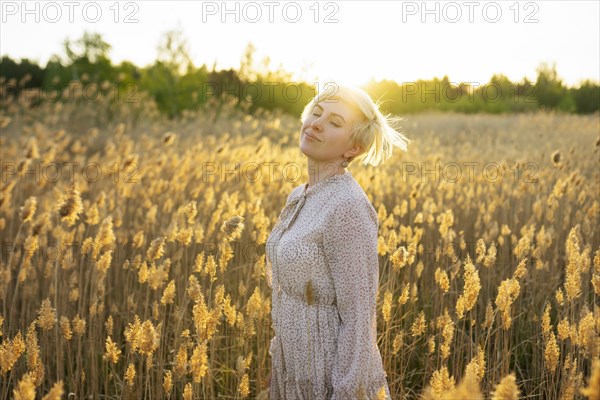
(350, 245)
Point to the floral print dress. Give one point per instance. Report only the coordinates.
(323, 268)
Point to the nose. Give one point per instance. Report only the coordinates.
(316, 124)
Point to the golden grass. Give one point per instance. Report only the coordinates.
(149, 281)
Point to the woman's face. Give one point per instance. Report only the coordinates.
(325, 133)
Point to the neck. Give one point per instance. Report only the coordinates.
(318, 171)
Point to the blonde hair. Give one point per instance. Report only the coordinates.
(374, 132)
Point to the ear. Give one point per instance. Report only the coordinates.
(353, 151)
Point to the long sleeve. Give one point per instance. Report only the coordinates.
(350, 247)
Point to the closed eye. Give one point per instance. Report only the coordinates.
(333, 123)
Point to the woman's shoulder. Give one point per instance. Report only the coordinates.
(351, 196)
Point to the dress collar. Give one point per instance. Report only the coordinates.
(296, 202)
(306, 190)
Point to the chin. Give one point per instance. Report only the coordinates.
(302, 147)
(304, 152)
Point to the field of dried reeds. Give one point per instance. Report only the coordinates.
(133, 252)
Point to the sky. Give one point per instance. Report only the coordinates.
(347, 41)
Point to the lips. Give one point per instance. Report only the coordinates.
(311, 136)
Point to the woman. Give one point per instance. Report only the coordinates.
(322, 258)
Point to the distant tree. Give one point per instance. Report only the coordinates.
(247, 71)
(127, 72)
(587, 97)
(505, 86)
(55, 72)
(174, 52)
(17, 76)
(549, 89)
(85, 59)
(525, 91)
(90, 46)
(172, 79)
(25, 70)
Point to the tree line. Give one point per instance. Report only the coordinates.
(176, 85)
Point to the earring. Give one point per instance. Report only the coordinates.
(345, 163)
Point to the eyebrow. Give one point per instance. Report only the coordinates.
(337, 115)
